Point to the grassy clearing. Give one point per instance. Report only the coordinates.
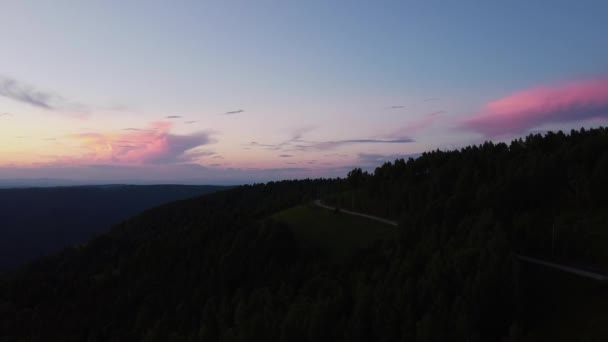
(338, 235)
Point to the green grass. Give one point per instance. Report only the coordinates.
(337, 235)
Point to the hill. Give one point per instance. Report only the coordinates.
(39, 221)
(230, 266)
(333, 233)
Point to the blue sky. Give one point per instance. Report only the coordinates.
(314, 87)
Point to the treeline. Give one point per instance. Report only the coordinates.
(548, 193)
(217, 269)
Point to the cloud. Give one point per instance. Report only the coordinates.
(18, 91)
(529, 109)
(6, 115)
(299, 132)
(285, 155)
(431, 99)
(234, 112)
(395, 107)
(372, 141)
(255, 143)
(287, 145)
(24, 93)
(417, 126)
(137, 129)
(195, 155)
(307, 145)
(173, 117)
(190, 122)
(152, 146)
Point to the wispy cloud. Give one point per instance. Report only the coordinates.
(173, 117)
(295, 139)
(431, 99)
(234, 112)
(308, 145)
(25, 93)
(195, 155)
(18, 91)
(297, 143)
(417, 125)
(373, 141)
(6, 115)
(299, 132)
(529, 109)
(137, 129)
(191, 122)
(285, 155)
(395, 107)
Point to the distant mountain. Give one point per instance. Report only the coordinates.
(7, 183)
(38, 221)
(37, 183)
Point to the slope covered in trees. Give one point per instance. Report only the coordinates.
(38, 221)
(547, 193)
(219, 268)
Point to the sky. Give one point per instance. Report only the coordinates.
(230, 92)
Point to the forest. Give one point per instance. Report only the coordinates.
(220, 267)
(40, 221)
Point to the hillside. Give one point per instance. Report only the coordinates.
(232, 265)
(334, 234)
(39, 221)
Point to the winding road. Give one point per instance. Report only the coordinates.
(564, 268)
(375, 218)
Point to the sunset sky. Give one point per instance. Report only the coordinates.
(227, 92)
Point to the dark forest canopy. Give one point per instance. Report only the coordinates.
(218, 268)
(39, 221)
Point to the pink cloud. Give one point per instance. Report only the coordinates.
(140, 146)
(417, 125)
(522, 111)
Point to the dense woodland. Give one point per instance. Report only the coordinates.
(217, 268)
(39, 221)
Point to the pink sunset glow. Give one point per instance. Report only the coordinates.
(139, 146)
(417, 126)
(568, 102)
